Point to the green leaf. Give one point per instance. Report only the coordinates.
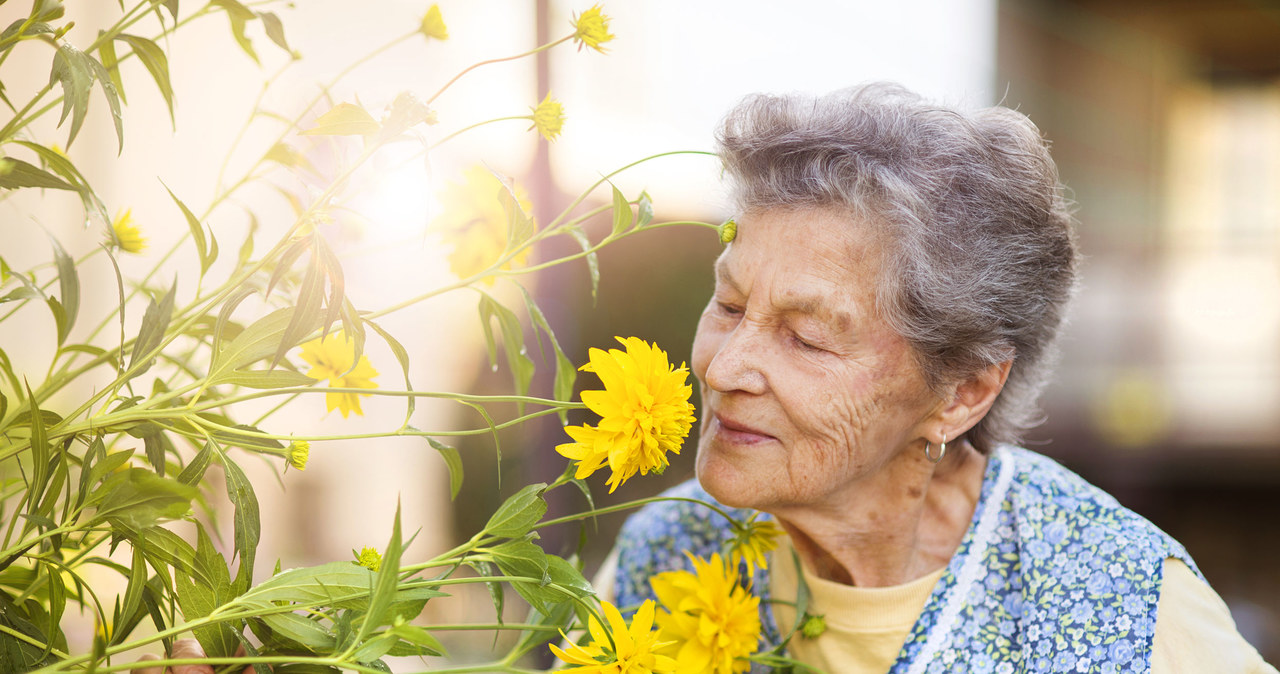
(15, 173)
(197, 233)
(310, 298)
(154, 324)
(593, 260)
(258, 341)
(512, 342)
(193, 473)
(338, 584)
(520, 226)
(345, 119)
(275, 30)
(523, 558)
(309, 633)
(453, 460)
(622, 216)
(519, 513)
(47, 10)
(39, 451)
(113, 99)
(68, 285)
(72, 70)
(644, 210)
(59, 317)
(239, 15)
(566, 373)
(138, 498)
(384, 588)
(156, 63)
(420, 642)
(107, 54)
(137, 581)
(224, 315)
(402, 357)
(198, 596)
(63, 167)
(266, 379)
(248, 525)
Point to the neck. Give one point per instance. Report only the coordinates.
(900, 524)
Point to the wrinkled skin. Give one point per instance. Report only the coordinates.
(815, 410)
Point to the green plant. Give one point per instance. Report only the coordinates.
(68, 488)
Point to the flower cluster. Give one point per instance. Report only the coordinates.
(369, 558)
(714, 620)
(644, 413)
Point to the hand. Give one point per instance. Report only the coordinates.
(183, 649)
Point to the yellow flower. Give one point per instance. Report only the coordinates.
(591, 28)
(330, 358)
(633, 648)
(548, 117)
(433, 24)
(715, 621)
(751, 544)
(299, 452)
(126, 235)
(369, 558)
(728, 230)
(475, 218)
(644, 413)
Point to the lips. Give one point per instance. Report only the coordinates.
(737, 431)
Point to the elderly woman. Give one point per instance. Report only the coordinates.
(881, 328)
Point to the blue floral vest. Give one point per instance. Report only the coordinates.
(1053, 575)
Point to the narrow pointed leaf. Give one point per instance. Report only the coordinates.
(156, 63)
(197, 232)
(154, 323)
(622, 216)
(15, 174)
(453, 460)
(69, 287)
(385, 582)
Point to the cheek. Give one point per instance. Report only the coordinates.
(706, 343)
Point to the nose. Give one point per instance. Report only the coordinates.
(738, 363)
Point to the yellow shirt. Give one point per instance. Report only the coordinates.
(866, 627)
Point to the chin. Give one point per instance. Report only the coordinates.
(726, 482)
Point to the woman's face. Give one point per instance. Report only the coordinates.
(807, 392)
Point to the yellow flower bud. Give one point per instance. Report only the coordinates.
(548, 118)
(728, 231)
(369, 558)
(299, 451)
(433, 24)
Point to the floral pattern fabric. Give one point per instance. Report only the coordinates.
(1053, 575)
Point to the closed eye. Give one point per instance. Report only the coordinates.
(728, 309)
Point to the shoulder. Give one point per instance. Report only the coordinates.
(1057, 506)
(1194, 629)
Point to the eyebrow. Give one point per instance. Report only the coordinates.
(795, 302)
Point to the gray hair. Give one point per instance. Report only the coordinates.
(982, 259)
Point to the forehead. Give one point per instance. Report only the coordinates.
(819, 261)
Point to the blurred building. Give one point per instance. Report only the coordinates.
(1165, 122)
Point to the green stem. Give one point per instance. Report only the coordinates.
(5, 629)
(473, 66)
(473, 126)
(635, 504)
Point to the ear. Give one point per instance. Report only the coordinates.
(972, 399)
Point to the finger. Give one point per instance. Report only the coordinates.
(188, 649)
(148, 670)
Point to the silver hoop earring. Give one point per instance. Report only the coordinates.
(942, 450)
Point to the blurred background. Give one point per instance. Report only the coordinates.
(1165, 122)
